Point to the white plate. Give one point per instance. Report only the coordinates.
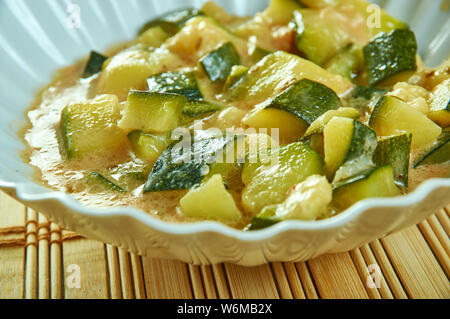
(36, 40)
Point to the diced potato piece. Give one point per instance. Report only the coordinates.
(289, 126)
(415, 96)
(130, 69)
(210, 200)
(90, 129)
(308, 200)
(152, 112)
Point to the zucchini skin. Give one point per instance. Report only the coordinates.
(173, 21)
(389, 54)
(183, 83)
(108, 184)
(395, 151)
(307, 100)
(176, 171)
(94, 64)
(440, 152)
(218, 64)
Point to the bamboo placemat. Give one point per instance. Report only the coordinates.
(37, 259)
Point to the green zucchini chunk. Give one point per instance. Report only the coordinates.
(263, 220)
(152, 112)
(349, 148)
(148, 146)
(90, 129)
(378, 182)
(199, 108)
(440, 104)
(237, 73)
(440, 153)
(307, 100)
(97, 179)
(367, 92)
(389, 54)
(176, 170)
(395, 151)
(392, 116)
(94, 64)
(218, 64)
(183, 83)
(173, 21)
(346, 63)
(268, 180)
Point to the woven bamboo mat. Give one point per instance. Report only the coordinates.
(37, 259)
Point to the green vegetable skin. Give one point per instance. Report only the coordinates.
(378, 182)
(218, 64)
(183, 83)
(395, 151)
(389, 54)
(440, 153)
(177, 171)
(346, 63)
(97, 179)
(263, 220)
(172, 22)
(307, 100)
(349, 148)
(94, 64)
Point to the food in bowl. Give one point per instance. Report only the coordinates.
(296, 113)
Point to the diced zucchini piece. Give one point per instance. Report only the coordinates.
(395, 151)
(94, 64)
(318, 35)
(153, 37)
(377, 182)
(264, 219)
(349, 148)
(198, 108)
(269, 179)
(392, 116)
(316, 142)
(308, 200)
(319, 124)
(368, 92)
(210, 200)
(91, 129)
(346, 63)
(218, 64)
(148, 147)
(440, 152)
(152, 112)
(201, 36)
(390, 54)
(173, 21)
(183, 83)
(99, 182)
(281, 11)
(277, 71)
(237, 72)
(289, 127)
(130, 69)
(307, 100)
(184, 166)
(440, 104)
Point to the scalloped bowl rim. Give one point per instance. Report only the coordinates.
(415, 197)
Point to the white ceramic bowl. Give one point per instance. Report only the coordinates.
(36, 40)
